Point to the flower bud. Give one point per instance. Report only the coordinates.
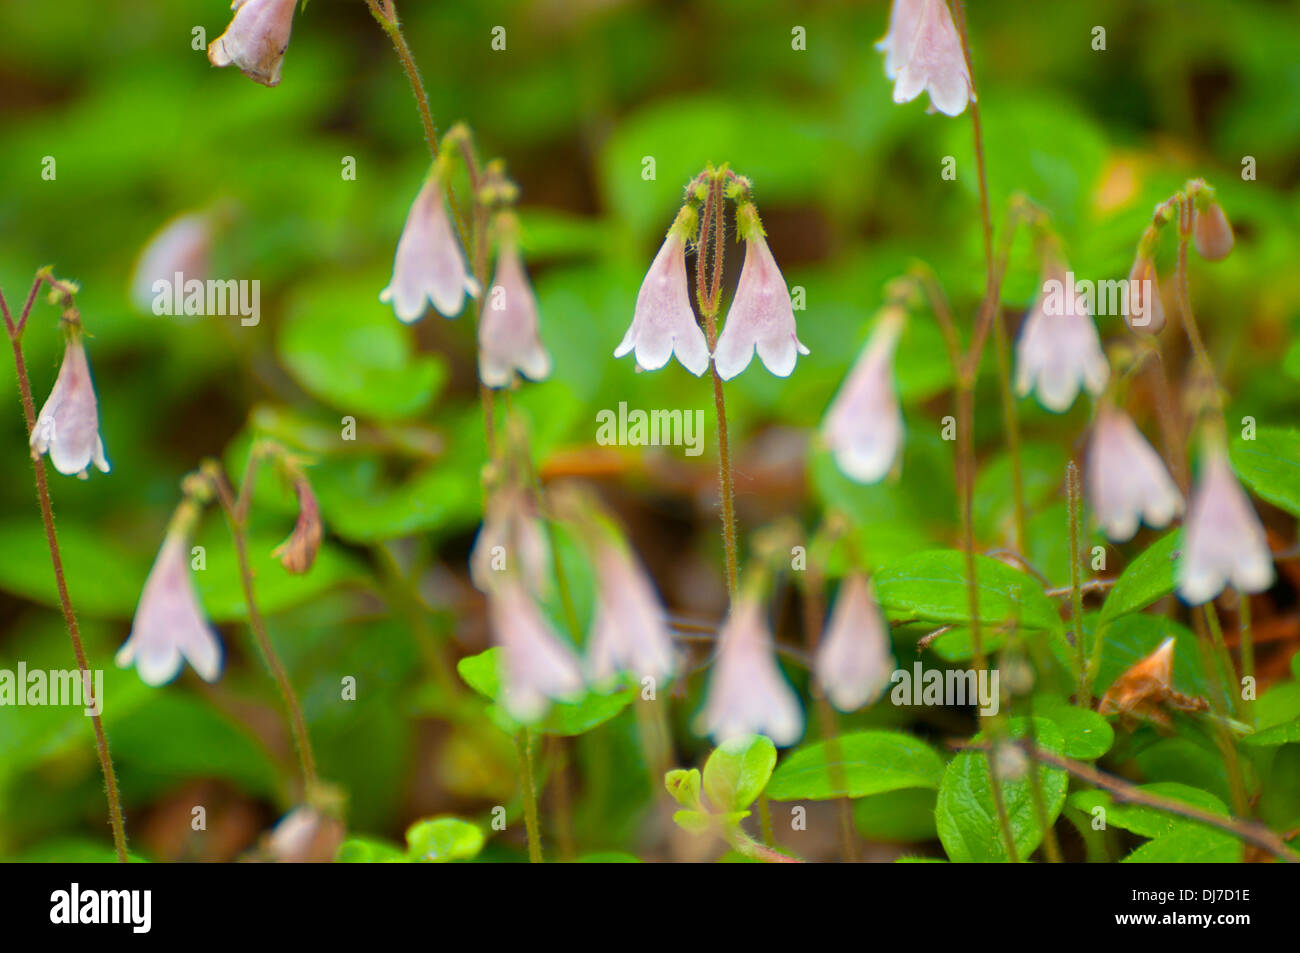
(1211, 233)
(256, 39)
(298, 552)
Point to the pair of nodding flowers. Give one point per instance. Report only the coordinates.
(429, 268)
(629, 634)
(748, 694)
(761, 317)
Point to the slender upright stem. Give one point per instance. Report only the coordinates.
(56, 560)
(1247, 650)
(1011, 422)
(707, 296)
(1075, 493)
(239, 533)
(524, 750)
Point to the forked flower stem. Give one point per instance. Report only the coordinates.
(15, 332)
(237, 520)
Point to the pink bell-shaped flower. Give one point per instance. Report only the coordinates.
(923, 52)
(1224, 543)
(511, 540)
(507, 331)
(1211, 232)
(180, 248)
(1058, 351)
(538, 667)
(169, 626)
(256, 39)
(429, 264)
(1127, 482)
(629, 634)
(761, 316)
(664, 323)
(68, 425)
(864, 425)
(854, 661)
(748, 694)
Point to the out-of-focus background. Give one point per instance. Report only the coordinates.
(142, 129)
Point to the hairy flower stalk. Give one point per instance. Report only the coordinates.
(170, 627)
(863, 426)
(256, 39)
(62, 293)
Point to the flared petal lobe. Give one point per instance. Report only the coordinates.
(761, 318)
(429, 265)
(169, 626)
(1126, 481)
(663, 323)
(854, 660)
(864, 426)
(748, 694)
(1224, 543)
(68, 425)
(508, 340)
(256, 39)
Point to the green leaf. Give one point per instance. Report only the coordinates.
(482, 673)
(1287, 733)
(443, 839)
(694, 822)
(873, 762)
(347, 349)
(738, 770)
(905, 816)
(362, 850)
(1149, 577)
(1087, 735)
(1173, 838)
(965, 814)
(1270, 466)
(932, 586)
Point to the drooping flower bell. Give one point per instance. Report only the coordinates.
(256, 39)
(761, 316)
(429, 265)
(748, 694)
(923, 52)
(507, 331)
(169, 626)
(1211, 233)
(854, 660)
(180, 248)
(663, 323)
(1146, 312)
(539, 667)
(1058, 351)
(1126, 480)
(1224, 542)
(629, 633)
(306, 835)
(68, 425)
(298, 552)
(511, 540)
(863, 425)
